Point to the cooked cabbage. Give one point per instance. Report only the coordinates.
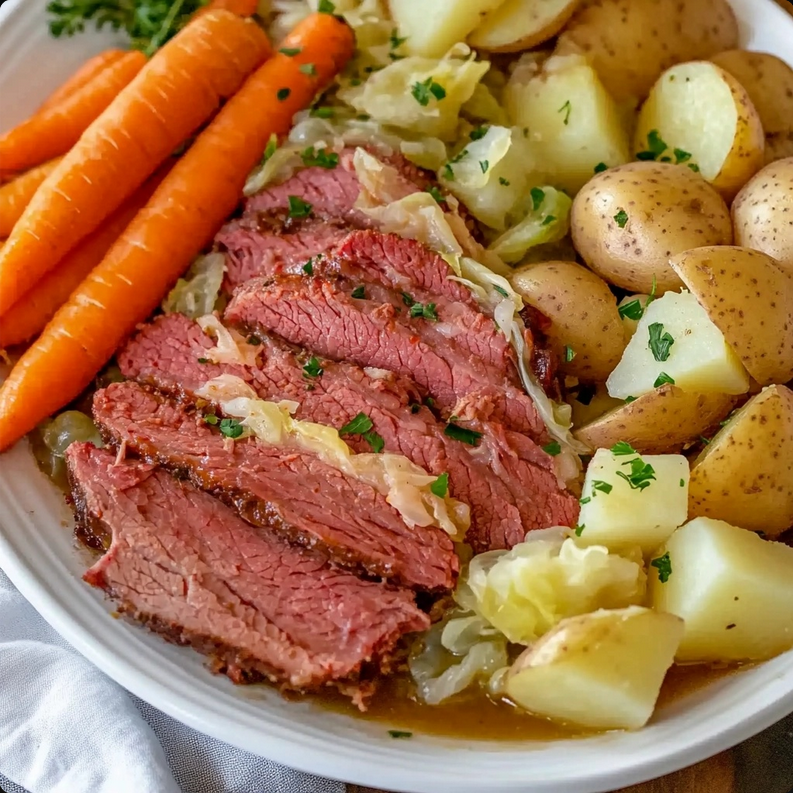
(485, 107)
(406, 486)
(526, 591)
(196, 294)
(67, 428)
(230, 346)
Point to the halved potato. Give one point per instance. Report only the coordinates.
(602, 670)
(631, 42)
(733, 590)
(763, 213)
(706, 119)
(628, 221)
(585, 323)
(660, 422)
(522, 24)
(749, 298)
(744, 474)
(431, 29)
(769, 82)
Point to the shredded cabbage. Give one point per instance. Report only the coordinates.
(230, 346)
(196, 293)
(526, 591)
(406, 486)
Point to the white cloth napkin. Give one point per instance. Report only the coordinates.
(67, 728)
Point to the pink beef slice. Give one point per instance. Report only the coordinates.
(291, 493)
(321, 315)
(183, 563)
(508, 481)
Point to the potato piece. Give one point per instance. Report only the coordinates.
(705, 118)
(743, 474)
(588, 405)
(762, 213)
(522, 24)
(602, 670)
(631, 42)
(631, 500)
(748, 297)
(659, 422)
(583, 314)
(732, 589)
(628, 221)
(431, 29)
(572, 123)
(769, 82)
(631, 310)
(677, 343)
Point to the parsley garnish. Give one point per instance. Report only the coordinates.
(629, 399)
(203, 360)
(313, 369)
(566, 108)
(503, 181)
(440, 487)
(694, 167)
(583, 501)
(231, 428)
(322, 112)
(308, 267)
(425, 90)
(408, 300)
(682, 156)
(579, 530)
(622, 218)
(396, 41)
(291, 51)
(447, 169)
(554, 448)
(478, 133)
(537, 197)
(414, 408)
(211, 419)
(550, 219)
(308, 69)
(254, 341)
(283, 93)
(569, 354)
(322, 158)
(660, 343)
(603, 487)
(500, 289)
(374, 440)
(622, 448)
(429, 402)
(600, 167)
(663, 564)
(326, 7)
(436, 194)
(357, 426)
(656, 146)
(484, 165)
(359, 293)
(632, 310)
(682, 483)
(663, 379)
(400, 734)
(298, 208)
(418, 310)
(272, 146)
(641, 476)
(653, 291)
(458, 433)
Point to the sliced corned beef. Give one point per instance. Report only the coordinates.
(287, 491)
(508, 482)
(323, 316)
(185, 564)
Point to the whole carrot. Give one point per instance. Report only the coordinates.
(16, 194)
(53, 132)
(180, 219)
(87, 72)
(172, 96)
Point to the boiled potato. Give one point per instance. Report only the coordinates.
(571, 122)
(431, 29)
(678, 344)
(590, 403)
(744, 474)
(732, 589)
(631, 42)
(522, 24)
(585, 323)
(631, 309)
(628, 221)
(748, 297)
(602, 670)
(763, 213)
(630, 499)
(769, 83)
(705, 118)
(661, 421)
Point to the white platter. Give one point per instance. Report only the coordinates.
(39, 555)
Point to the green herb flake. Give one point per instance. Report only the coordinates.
(663, 564)
(550, 219)
(621, 218)
(569, 354)
(374, 440)
(642, 474)
(326, 7)
(231, 428)
(579, 529)
(422, 92)
(694, 167)
(503, 181)
(308, 267)
(408, 300)
(632, 310)
(283, 93)
(322, 158)
(656, 146)
(395, 41)
(271, 148)
(203, 360)
(400, 734)
(478, 133)
(308, 69)
(622, 448)
(682, 156)
(448, 171)
(484, 165)
(602, 487)
(254, 341)
(429, 402)
(420, 311)
(436, 194)
(414, 408)
(663, 379)
(600, 167)
(500, 289)
(584, 501)
(440, 487)
(359, 293)
(322, 112)
(554, 448)
(298, 208)
(566, 108)
(211, 419)
(290, 51)
(458, 433)
(357, 426)
(660, 342)
(682, 483)
(537, 197)
(629, 399)
(313, 369)
(705, 441)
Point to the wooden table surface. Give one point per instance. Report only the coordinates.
(761, 765)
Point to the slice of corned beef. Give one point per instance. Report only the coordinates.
(507, 481)
(182, 562)
(289, 492)
(323, 316)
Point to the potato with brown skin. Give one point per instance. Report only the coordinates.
(583, 314)
(769, 82)
(743, 475)
(628, 221)
(660, 422)
(762, 213)
(749, 298)
(631, 42)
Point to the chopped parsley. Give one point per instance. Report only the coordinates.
(254, 341)
(203, 360)
(656, 146)
(458, 433)
(579, 529)
(629, 399)
(308, 267)
(653, 292)
(415, 408)
(395, 40)
(298, 208)
(436, 194)
(211, 419)
(322, 158)
(660, 342)
(484, 165)
(359, 293)
(622, 448)
(583, 501)
(682, 156)
(663, 379)
(503, 181)
(270, 149)
(400, 734)
(500, 289)
(478, 133)
(374, 440)
(632, 310)
(440, 487)
(357, 426)
(554, 448)
(418, 310)
(429, 402)
(408, 300)
(682, 483)
(569, 354)
(600, 167)
(705, 441)
(694, 167)
(283, 93)
(425, 90)
(537, 197)
(642, 474)
(322, 112)
(602, 487)
(308, 69)
(448, 171)
(621, 218)
(313, 369)
(231, 428)
(550, 219)
(566, 108)
(326, 7)
(663, 564)
(291, 51)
